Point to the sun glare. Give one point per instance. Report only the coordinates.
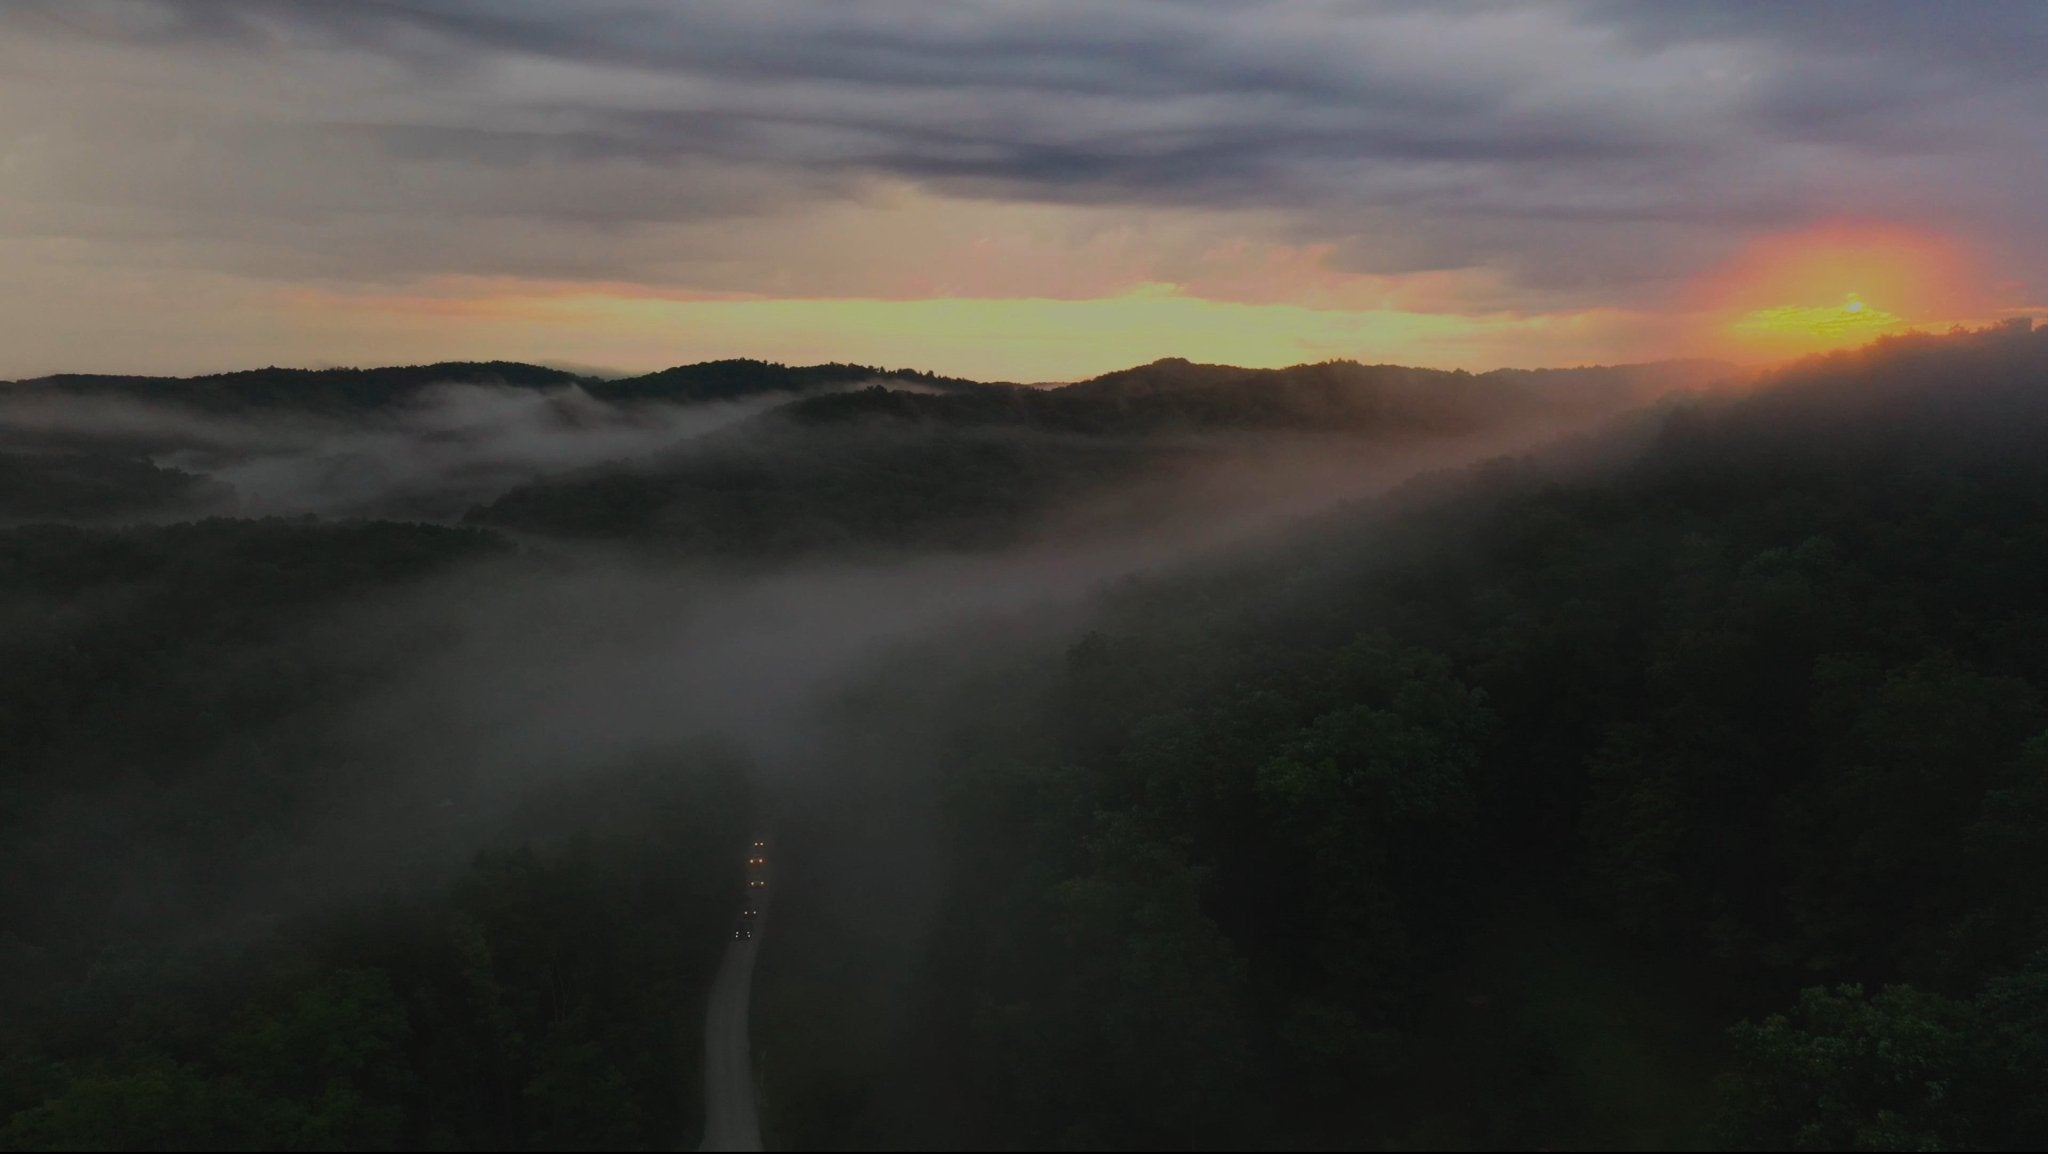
(1831, 286)
(1853, 319)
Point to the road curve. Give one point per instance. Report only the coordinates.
(730, 1122)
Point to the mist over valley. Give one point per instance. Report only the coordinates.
(613, 574)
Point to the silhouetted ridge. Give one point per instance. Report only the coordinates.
(342, 390)
(732, 379)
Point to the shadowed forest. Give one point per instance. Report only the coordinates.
(1341, 756)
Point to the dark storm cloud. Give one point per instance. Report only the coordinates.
(1454, 123)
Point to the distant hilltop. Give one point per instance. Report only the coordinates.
(344, 391)
(349, 390)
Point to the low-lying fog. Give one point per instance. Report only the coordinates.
(601, 655)
(571, 657)
(431, 457)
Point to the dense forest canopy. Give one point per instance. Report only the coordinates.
(1484, 818)
(317, 390)
(1680, 783)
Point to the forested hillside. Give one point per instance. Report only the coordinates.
(884, 467)
(333, 391)
(1679, 784)
(412, 442)
(1694, 801)
(349, 390)
(198, 950)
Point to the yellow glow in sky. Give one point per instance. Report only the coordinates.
(1833, 285)
(1852, 320)
(1013, 339)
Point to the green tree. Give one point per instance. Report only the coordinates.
(1848, 1070)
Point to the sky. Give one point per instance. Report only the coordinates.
(1031, 190)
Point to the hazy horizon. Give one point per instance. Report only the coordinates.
(600, 372)
(1026, 192)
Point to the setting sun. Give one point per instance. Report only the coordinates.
(1832, 285)
(1852, 320)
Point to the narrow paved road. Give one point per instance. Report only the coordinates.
(729, 1119)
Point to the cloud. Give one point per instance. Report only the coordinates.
(1572, 155)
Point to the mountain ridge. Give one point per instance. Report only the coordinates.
(350, 389)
